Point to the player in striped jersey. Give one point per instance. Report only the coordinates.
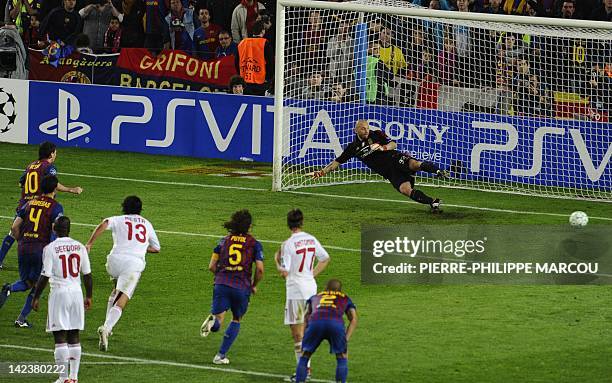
(232, 263)
(325, 321)
(30, 185)
(33, 229)
(64, 260)
(296, 263)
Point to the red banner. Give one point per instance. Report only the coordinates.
(176, 66)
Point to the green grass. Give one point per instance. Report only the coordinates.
(405, 333)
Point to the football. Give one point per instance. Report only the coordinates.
(578, 219)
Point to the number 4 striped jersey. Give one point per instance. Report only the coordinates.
(132, 235)
(298, 259)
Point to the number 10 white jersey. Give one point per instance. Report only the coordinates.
(63, 262)
(297, 258)
(132, 235)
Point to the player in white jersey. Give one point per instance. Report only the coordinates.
(64, 260)
(296, 263)
(133, 237)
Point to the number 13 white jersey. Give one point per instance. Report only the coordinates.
(132, 235)
(297, 258)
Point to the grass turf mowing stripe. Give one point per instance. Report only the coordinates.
(509, 211)
(216, 236)
(163, 362)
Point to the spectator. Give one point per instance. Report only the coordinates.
(494, 7)
(31, 36)
(227, 47)
(82, 44)
(19, 12)
(156, 30)
(391, 54)
(132, 33)
(255, 61)
(222, 11)
(603, 12)
(338, 93)
(112, 36)
(527, 90)
(62, 23)
(599, 89)
(244, 17)
(568, 9)
(378, 77)
(236, 85)
(512, 7)
(313, 40)
(420, 55)
(206, 37)
(180, 23)
(340, 53)
(314, 88)
(447, 64)
(96, 18)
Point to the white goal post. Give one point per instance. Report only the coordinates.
(511, 104)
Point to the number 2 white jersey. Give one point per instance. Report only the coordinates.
(132, 235)
(297, 258)
(64, 260)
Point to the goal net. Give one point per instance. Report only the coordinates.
(507, 104)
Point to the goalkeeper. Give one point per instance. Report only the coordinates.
(379, 153)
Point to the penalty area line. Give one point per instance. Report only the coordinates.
(163, 363)
(312, 194)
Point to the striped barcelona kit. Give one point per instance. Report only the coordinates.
(237, 253)
(31, 179)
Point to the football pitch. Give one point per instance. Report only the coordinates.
(405, 333)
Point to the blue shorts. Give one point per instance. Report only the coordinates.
(320, 330)
(30, 266)
(226, 298)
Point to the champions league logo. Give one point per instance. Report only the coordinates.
(8, 111)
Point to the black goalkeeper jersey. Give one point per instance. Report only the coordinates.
(382, 162)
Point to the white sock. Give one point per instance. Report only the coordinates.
(297, 348)
(61, 359)
(112, 318)
(74, 355)
(111, 301)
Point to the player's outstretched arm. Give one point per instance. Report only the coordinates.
(96, 233)
(88, 282)
(329, 168)
(351, 314)
(40, 287)
(66, 189)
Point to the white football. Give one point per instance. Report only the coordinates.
(578, 218)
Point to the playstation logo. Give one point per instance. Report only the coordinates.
(66, 126)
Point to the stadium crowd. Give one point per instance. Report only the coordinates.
(523, 69)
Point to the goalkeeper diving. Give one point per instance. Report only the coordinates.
(379, 153)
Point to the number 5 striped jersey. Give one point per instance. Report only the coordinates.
(236, 255)
(298, 259)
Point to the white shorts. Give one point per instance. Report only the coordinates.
(66, 310)
(127, 282)
(295, 310)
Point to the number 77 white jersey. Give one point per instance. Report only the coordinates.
(298, 255)
(132, 235)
